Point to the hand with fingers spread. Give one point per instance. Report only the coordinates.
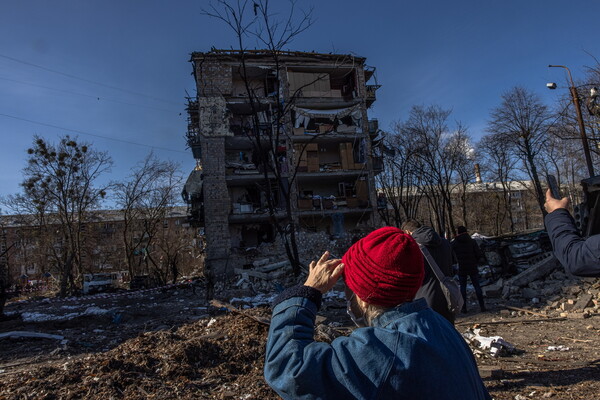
(323, 274)
(554, 204)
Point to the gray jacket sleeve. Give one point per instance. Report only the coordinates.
(578, 255)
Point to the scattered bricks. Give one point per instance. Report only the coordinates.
(584, 301)
(578, 315)
(574, 290)
(566, 306)
(564, 314)
(550, 290)
(490, 372)
(508, 290)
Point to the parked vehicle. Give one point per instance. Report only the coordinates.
(94, 283)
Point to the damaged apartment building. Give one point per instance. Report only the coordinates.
(279, 138)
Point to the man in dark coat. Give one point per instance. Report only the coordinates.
(579, 256)
(468, 255)
(441, 251)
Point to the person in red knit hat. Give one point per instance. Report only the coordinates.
(401, 350)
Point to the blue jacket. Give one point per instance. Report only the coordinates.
(410, 353)
(579, 256)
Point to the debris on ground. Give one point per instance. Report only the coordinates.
(170, 343)
(495, 345)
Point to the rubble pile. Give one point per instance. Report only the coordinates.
(218, 358)
(270, 269)
(550, 290)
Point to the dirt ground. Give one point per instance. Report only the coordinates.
(171, 343)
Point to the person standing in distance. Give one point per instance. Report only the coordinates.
(468, 255)
(441, 251)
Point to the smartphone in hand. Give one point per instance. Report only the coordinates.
(553, 186)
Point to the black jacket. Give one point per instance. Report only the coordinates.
(441, 251)
(467, 253)
(579, 256)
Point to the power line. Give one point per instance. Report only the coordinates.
(87, 95)
(86, 80)
(91, 134)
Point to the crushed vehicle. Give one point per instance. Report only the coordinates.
(513, 253)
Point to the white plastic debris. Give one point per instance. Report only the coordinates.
(558, 348)
(211, 322)
(495, 345)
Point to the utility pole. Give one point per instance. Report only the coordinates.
(584, 139)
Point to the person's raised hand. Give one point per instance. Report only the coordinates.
(323, 274)
(552, 204)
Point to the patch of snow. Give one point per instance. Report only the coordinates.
(261, 299)
(40, 317)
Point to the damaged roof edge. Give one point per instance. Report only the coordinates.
(262, 53)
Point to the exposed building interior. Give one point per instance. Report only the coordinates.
(278, 138)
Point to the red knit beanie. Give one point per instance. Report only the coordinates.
(385, 268)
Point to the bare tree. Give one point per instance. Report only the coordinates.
(145, 198)
(256, 20)
(440, 150)
(460, 148)
(499, 164)
(175, 252)
(59, 189)
(400, 181)
(523, 121)
(5, 278)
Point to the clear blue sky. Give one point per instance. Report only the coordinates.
(130, 58)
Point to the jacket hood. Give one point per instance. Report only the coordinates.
(426, 236)
(463, 237)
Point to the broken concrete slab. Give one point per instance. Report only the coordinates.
(494, 290)
(536, 271)
(490, 372)
(584, 301)
(529, 293)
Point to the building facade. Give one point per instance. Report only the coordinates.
(33, 251)
(280, 138)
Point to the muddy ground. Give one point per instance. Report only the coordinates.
(171, 343)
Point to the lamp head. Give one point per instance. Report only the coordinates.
(551, 85)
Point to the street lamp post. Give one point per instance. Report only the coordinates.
(575, 97)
